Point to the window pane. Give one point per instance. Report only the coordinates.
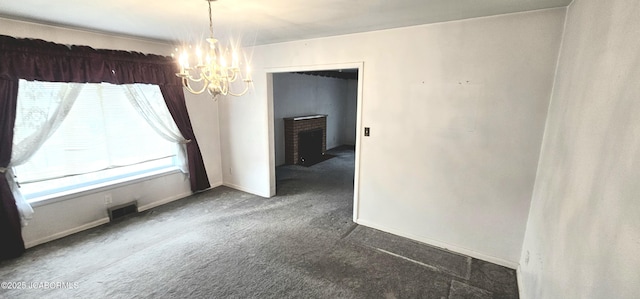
(101, 131)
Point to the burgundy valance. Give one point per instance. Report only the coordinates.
(34, 59)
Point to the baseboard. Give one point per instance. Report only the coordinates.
(443, 245)
(164, 201)
(243, 189)
(176, 197)
(520, 283)
(102, 221)
(67, 232)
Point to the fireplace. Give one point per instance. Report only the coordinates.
(310, 149)
(305, 139)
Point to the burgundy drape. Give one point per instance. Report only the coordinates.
(40, 60)
(10, 230)
(178, 110)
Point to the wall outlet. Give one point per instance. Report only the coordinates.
(108, 199)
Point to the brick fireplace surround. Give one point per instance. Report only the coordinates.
(295, 125)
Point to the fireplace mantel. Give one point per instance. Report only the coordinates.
(306, 117)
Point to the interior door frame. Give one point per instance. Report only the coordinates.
(359, 104)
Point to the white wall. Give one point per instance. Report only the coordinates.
(583, 234)
(456, 111)
(76, 213)
(297, 95)
(203, 112)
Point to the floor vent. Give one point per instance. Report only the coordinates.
(120, 211)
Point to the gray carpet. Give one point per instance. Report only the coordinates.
(224, 243)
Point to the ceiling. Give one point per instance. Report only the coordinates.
(255, 22)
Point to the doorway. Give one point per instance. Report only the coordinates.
(331, 90)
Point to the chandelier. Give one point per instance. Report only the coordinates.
(214, 69)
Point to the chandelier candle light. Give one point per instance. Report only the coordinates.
(214, 69)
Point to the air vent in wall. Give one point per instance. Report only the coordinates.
(120, 211)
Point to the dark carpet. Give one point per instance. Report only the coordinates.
(224, 243)
(322, 158)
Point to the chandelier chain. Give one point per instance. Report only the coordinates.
(210, 20)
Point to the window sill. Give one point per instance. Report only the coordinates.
(95, 188)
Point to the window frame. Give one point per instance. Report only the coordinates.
(106, 178)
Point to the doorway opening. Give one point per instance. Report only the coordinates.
(325, 105)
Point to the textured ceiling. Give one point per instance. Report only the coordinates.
(255, 22)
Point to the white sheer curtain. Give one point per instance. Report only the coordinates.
(146, 99)
(42, 108)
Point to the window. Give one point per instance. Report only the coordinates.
(102, 137)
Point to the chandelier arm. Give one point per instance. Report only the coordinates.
(208, 76)
(234, 75)
(187, 85)
(186, 74)
(192, 78)
(225, 88)
(246, 88)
